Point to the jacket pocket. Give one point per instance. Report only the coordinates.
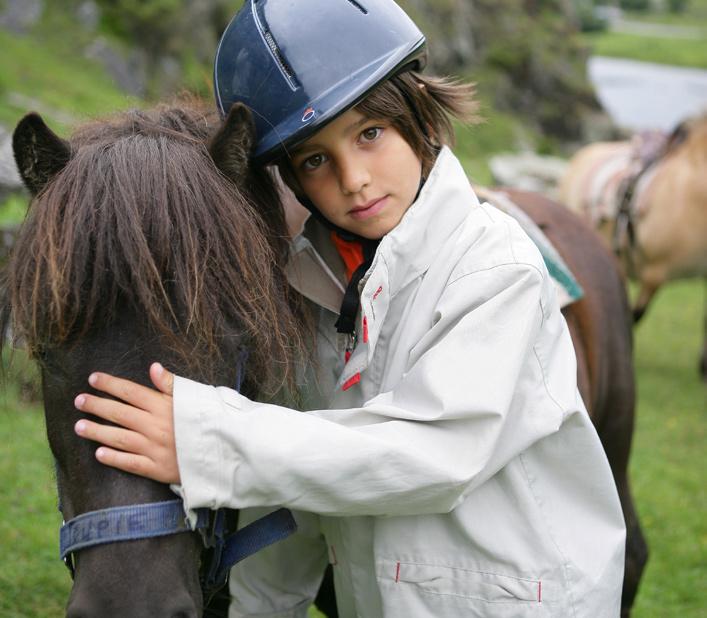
(421, 590)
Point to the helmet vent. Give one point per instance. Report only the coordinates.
(280, 59)
(358, 6)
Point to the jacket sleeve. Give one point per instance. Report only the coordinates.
(473, 398)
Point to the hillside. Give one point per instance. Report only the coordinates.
(88, 58)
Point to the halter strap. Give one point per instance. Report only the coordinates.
(125, 523)
(145, 521)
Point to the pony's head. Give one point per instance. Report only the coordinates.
(149, 237)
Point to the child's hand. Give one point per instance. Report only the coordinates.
(144, 442)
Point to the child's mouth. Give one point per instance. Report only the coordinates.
(369, 209)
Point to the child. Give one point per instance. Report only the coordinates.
(446, 466)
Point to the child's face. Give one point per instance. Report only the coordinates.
(360, 173)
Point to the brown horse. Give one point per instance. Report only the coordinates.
(648, 199)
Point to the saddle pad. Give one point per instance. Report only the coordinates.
(568, 289)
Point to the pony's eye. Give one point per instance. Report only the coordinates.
(371, 134)
(313, 162)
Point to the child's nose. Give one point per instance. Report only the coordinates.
(353, 176)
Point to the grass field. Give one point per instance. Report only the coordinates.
(660, 50)
(685, 51)
(667, 470)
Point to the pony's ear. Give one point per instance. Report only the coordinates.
(39, 152)
(230, 148)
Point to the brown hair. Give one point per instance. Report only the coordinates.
(421, 109)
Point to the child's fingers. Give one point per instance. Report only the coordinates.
(115, 437)
(130, 392)
(162, 379)
(130, 462)
(111, 410)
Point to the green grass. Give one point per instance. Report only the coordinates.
(13, 209)
(33, 580)
(695, 14)
(667, 465)
(53, 79)
(672, 51)
(667, 469)
(676, 51)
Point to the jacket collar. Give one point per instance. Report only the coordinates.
(442, 205)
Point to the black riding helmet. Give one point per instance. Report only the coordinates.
(298, 64)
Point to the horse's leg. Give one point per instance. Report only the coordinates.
(615, 433)
(645, 294)
(636, 547)
(613, 415)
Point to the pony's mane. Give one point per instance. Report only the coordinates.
(690, 137)
(141, 219)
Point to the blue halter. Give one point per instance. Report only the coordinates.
(146, 521)
(155, 519)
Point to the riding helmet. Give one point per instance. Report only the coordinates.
(298, 64)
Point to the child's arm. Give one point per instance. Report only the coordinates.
(473, 400)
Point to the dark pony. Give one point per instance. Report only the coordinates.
(143, 242)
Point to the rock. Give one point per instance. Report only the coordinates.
(9, 176)
(170, 74)
(22, 101)
(128, 71)
(20, 15)
(528, 171)
(88, 15)
(449, 28)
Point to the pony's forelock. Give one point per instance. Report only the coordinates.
(141, 215)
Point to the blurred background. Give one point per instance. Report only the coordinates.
(552, 75)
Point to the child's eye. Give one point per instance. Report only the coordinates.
(371, 134)
(313, 162)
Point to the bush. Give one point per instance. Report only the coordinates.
(589, 17)
(677, 6)
(635, 5)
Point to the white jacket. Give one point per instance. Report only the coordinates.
(451, 461)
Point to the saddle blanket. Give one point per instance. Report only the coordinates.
(567, 286)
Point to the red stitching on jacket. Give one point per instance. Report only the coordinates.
(378, 291)
(354, 379)
(365, 330)
(540, 592)
(397, 572)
